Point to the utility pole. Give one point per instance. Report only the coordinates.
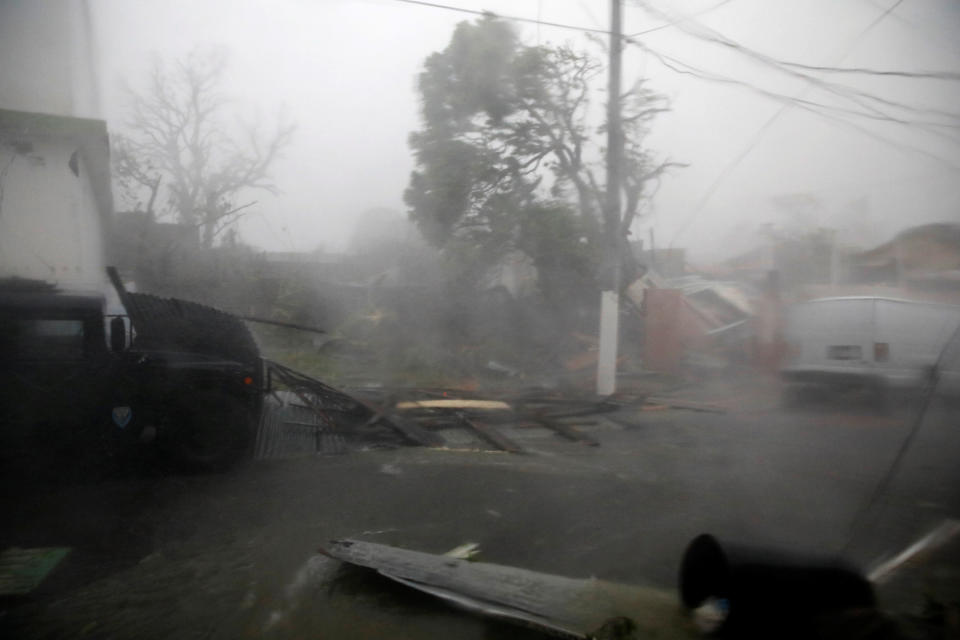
(610, 296)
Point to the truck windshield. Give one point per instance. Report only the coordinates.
(42, 339)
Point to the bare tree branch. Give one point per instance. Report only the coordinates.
(178, 150)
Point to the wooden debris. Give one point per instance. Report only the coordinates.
(412, 431)
(581, 361)
(685, 404)
(466, 551)
(455, 403)
(567, 431)
(418, 416)
(492, 435)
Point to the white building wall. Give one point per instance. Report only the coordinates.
(50, 226)
(48, 54)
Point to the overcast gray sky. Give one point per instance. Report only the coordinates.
(345, 71)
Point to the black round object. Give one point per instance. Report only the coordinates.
(769, 593)
(704, 571)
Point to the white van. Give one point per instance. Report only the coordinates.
(860, 340)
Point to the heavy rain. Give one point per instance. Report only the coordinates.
(479, 319)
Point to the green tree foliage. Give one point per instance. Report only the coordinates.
(510, 153)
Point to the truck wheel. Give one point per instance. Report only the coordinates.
(210, 431)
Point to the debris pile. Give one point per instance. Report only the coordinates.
(302, 415)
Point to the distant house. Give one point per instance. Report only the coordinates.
(149, 251)
(669, 263)
(55, 199)
(923, 250)
(314, 266)
(803, 260)
(920, 263)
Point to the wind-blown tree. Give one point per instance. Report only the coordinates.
(509, 156)
(178, 155)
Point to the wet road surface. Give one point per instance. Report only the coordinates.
(234, 555)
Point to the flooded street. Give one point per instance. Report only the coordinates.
(234, 555)
(612, 320)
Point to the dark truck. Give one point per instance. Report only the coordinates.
(172, 377)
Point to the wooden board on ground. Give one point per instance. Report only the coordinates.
(567, 431)
(686, 404)
(455, 403)
(411, 430)
(492, 435)
(564, 606)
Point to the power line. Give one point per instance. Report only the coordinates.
(546, 23)
(944, 44)
(684, 68)
(711, 35)
(491, 14)
(761, 132)
(674, 23)
(705, 33)
(920, 413)
(586, 9)
(919, 75)
(815, 108)
(859, 97)
(855, 96)
(716, 38)
(929, 126)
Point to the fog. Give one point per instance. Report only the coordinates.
(393, 358)
(345, 71)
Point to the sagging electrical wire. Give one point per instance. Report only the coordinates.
(681, 67)
(674, 23)
(881, 489)
(860, 97)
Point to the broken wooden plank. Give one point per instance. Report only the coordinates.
(590, 410)
(455, 403)
(492, 435)
(568, 606)
(686, 404)
(411, 430)
(627, 421)
(567, 431)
